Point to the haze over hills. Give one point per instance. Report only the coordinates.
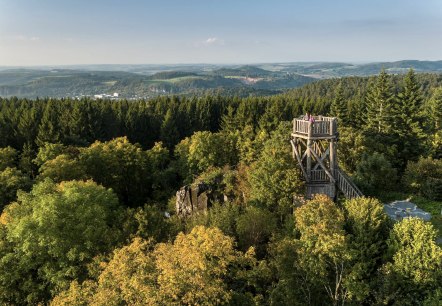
(145, 81)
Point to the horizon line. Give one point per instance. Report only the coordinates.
(215, 63)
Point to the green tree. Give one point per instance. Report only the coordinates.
(147, 222)
(27, 126)
(119, 165)
(223, 216)
(375, 173)
(48, 151)
(434, 110)
(62, 168)
(351, 148)
(250, 144)
(408, 123)
(55, 231)
(8, 158)
(379, 101)
(128, 279)
(163, 176)
(205, 150)
(416, 268)
(255, 227)
(229, 122)
(274, 178)
(339, 107)
(48, 130)
(323, 253)
(25, 163)
(169, 131)
(368, 227)
(424, 177)
(12, 180)
(295, 283)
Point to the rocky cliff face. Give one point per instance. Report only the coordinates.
(195, 197)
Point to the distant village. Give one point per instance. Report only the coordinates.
(118, 96)
(115, 95)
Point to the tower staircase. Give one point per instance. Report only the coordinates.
(314, 146)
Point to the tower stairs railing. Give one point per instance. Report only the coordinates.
(346, 185)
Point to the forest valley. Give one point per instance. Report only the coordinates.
(87, 196)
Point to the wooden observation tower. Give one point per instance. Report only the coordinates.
(314, 146)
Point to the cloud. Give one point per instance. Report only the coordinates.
(20, 37)
(25, 38)
(214, 41)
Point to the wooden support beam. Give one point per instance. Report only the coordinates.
(299, 161)
(309, 147)
(332, 179)
(322, 157)
(332, 146)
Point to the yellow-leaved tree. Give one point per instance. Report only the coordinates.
(192, 269)
(196, 269)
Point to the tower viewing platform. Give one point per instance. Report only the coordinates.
(314, 146)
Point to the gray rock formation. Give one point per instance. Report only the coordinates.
(195, 197)
(398, 210)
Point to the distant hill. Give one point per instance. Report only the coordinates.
(145, 81)
(244, 71)
(243, 81)
(167, 75)
(329, 70)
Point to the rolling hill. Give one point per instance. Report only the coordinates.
(145, 81)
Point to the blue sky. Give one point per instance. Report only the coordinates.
(65, 32)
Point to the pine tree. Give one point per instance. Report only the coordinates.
(26, 157)
(339, 107)
(435, 114)
(27, 125)
(407, 121)
(76, 123)
(358, 110)
(169, 132)
(48, 130)
(379, 102)
(229, 123)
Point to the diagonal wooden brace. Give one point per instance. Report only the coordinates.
(332, 179)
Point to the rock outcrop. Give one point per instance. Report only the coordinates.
(195, 197)
(399, 210)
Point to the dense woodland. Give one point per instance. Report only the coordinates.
(87, 201)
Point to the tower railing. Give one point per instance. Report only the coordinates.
(320, 127)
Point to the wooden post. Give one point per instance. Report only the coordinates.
(309, 149)
(333, 146)
(332, 156)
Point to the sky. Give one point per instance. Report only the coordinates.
(75, 32)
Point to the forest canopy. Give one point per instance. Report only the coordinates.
(87, 195)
